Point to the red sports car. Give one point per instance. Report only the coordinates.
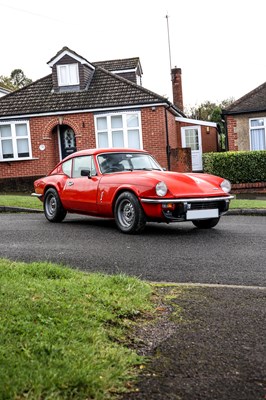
(131, 187)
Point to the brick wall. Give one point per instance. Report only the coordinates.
(209, 137)
(154, 133)
(254, 187)
(156, 125)
(44, 132)
(231, 133)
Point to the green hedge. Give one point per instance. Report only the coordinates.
(237, 166)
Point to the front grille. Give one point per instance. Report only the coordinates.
(221, 205)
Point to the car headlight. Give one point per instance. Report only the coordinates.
(161, 189)
(226, 186)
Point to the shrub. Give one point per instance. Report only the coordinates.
(238, 167)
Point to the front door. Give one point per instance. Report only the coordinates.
(67, 140)
(191, 137)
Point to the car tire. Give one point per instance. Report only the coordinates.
(53, 209)
(206, 223)
(129, 215)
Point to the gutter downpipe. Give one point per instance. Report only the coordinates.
(224, 119)
(167, 139)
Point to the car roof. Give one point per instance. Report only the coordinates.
(87, 152)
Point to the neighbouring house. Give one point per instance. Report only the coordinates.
(246, 121)
(100, 104)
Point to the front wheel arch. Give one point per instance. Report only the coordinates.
(128, 213)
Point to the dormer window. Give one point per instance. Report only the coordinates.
(68, 75)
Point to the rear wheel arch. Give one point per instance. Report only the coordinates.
(52, 206)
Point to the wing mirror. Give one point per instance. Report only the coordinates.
(85, 172)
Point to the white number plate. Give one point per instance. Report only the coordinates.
(202, 214)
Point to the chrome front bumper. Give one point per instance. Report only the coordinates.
(185, 200)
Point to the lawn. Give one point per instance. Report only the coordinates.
(28, 201)
(242, 203)
(63, 333)
(25, 201)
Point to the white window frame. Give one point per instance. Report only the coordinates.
(70, 79)
(14, 139)
(124, 128)
(251, 128)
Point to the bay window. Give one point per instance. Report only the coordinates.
(257, 133)
(14, 141)
(118, 130)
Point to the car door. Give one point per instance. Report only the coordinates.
(80, 192)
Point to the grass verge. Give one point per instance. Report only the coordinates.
(28, 201)
(247, 204)
(63, 332)
(25, 201)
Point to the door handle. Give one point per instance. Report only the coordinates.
(70, 183)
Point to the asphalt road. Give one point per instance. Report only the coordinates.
(233, 253)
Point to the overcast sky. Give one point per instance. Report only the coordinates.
(219, 45)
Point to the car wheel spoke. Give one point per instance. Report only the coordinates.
(126, 213)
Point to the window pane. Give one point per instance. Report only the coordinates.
(132, 121)
(192, 139)
(116, 122)
(101, 123)
(23, 148)
(257, 122)
(21, 130)
(7, 149)
(103, 139)
(5, 131)
(66, 167)
(133, 139)
(63, 74)
(81, 163)
(118, 140)
(73, 74)
(258, 139)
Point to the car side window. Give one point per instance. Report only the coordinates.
(66, 167)
(83, 163)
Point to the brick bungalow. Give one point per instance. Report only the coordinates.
(86, 105)
(246, 121)
(246, 130)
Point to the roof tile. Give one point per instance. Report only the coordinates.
(253, 101)
(106, 90)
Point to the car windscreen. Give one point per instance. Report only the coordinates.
(116, 162)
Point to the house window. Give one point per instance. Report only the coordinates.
(14, 141)
(192, 138)
(118, 130)
(68, 75)
(257, 133)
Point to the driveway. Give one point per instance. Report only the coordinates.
(232, 253)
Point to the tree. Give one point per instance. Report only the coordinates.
(16, 80)
(212, 112)
(208, 111)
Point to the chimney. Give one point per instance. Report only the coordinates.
(177, 88)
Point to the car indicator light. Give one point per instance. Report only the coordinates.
(169, 206)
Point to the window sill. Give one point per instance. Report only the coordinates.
(8, 160)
